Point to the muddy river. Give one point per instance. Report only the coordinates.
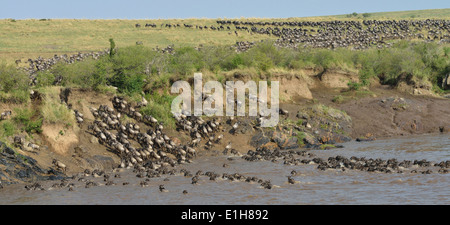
(311, 186)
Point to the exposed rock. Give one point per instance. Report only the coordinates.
(259, 139)
(15, 167)
(274, 140)
(309, 139)
(365, 139)
(106, 161)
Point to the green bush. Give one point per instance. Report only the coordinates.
(17, 97)
(25, 118)
(78, 74)
(354, 86)
(186, 61)
(128, 68)
(12, 79)
(325, 59)
(7, 129)
(103, 69)
(218, 58)
(262, 56)
(262, 61)
(446, 51)
(235, 62)
(44, 78)
(135, 67)
(338, 99)
(112, 47)
(159, 106)
(300, 135)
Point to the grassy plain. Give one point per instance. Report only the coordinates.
(30, 38)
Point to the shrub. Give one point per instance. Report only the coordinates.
(16, 97)
(78, 74)
(446, 51)
(338, 99)
(262, 56)
(263, 62)
(235, 62)
(354, 86)
(216, 58)
(128, 67)
(12, 79)
(44, 78)
(100, 77)
(186, 61)
(324, 59)
(159, 106)
(7, 129)
(112, 47)
(300, 135)
(25, 117)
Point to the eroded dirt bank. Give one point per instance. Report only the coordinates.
(322, 114)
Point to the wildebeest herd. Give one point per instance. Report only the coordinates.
(144, 147)
(42, 64)
(292, 34)
(337, 33)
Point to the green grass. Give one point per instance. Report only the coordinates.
(135, 69)
(30, 38)
(338, 99)
(300, 136)
(7, 128)
(27, 119)
(159, 106)
(13, 84)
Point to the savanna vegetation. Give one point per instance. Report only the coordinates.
(138, 69)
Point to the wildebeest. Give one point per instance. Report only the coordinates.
(5, 115)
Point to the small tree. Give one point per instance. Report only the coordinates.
(112, 47)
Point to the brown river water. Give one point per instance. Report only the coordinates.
(312, 186)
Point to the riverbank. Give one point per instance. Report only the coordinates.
(317, 123)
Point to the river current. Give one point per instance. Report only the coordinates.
(312, 186)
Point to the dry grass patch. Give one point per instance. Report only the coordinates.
(53, 111)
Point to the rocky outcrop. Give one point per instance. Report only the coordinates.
(274, 140)
(17, 168)
(317, 127)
